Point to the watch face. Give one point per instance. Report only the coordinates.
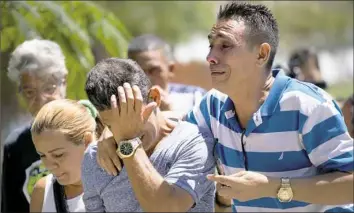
(285, 194)
(126, 148)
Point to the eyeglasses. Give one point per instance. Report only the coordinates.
(45, 89)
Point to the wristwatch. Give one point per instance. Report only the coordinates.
(285, 193)
(127, 148)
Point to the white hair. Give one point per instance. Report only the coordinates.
(42, 57)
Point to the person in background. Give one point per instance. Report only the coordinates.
(38, 68)
(304, 66)
(162, 163)
(282, 144)
(348, 113)
(61, 132)
(155, 56)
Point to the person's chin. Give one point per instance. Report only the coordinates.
(63, 179)
(220, 77)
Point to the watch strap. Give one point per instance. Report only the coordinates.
(285, 182)
(135, 142)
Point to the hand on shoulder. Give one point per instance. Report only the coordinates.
(38, 195)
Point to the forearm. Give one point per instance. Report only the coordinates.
(151, 190)
(328, 189)
(223, 202)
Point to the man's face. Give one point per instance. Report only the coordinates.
(38, 91)
(155, 65)
(232, 62)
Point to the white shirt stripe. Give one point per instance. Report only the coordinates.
(322, 112)
(257, 142)
(334, 147)
(298, 101)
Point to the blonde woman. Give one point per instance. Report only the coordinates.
(61, 132)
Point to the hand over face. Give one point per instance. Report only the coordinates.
(127, 120)
(243, 186)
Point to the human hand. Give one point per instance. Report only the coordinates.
(130, 116)
(243, 186)
(226, 203)
(106, 153)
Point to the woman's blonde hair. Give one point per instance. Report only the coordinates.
(69, 117)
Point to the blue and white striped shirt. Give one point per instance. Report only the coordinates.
(298, 131)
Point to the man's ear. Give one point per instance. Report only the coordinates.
(263, 54)
(155, 95)
(88, 138)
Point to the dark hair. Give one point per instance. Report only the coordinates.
(149, 42)
(59, 197)
(299, 57)
(104, 78)
(260, 24)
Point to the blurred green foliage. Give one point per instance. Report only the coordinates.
(322, 24)
(341, 90)
(174, 21)
(79, 27)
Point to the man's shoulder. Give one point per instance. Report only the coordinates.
(89, 160)
(303, 96)
(189, 133)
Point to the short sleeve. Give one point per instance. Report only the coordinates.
(91, 197)
(191, 167)
(326, 139)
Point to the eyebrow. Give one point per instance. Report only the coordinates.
(53, 150)
(218, 35)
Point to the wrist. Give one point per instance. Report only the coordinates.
(138, 152)
(272, 187)
(127, 148)
(117, 139)
(222, 202)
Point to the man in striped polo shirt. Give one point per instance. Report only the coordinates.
(282, 144)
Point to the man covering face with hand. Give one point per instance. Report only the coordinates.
(163, 163)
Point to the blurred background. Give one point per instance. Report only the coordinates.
(89, 31)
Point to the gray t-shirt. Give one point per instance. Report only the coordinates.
(184, 158)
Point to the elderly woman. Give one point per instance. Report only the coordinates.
(38, 68)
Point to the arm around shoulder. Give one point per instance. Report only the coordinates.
(38, 196)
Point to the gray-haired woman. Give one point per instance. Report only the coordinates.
(38, 69)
